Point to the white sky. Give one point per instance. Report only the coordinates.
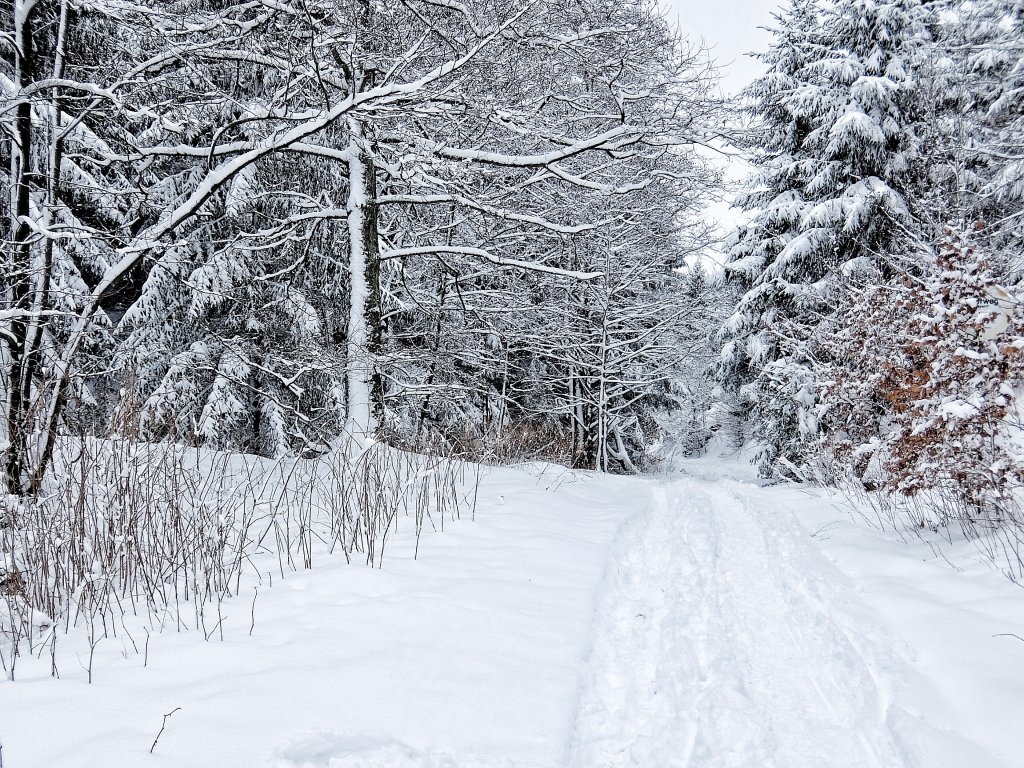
(731, 29)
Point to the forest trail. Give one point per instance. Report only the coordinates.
(722, 641)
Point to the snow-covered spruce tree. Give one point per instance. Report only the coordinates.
(231, 341)
(838, 158)
(993, 39)
(868, 367)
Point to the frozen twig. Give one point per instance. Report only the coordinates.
(162, 726)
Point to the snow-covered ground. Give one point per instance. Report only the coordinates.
(692, 619)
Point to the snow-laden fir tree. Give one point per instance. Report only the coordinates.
(871, 371)
(837, 153)
(994, 42)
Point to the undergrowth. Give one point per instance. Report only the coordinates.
(166, 534)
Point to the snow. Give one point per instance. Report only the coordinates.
(22, 8)
(690, 619)
(533, 266)
(855, 128)
(477, 647)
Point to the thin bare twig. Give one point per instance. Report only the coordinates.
(162, 726)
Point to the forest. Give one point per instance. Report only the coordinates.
(256, 226)
(363, 249)
(286, 285)
(477, 229)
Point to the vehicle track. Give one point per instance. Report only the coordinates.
(722, 641)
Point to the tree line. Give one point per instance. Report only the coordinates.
(258, 225)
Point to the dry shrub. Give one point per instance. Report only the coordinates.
(960, 424)
(167, 533)
(922, 400)
(528, 439)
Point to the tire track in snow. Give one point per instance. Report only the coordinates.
(718, 644)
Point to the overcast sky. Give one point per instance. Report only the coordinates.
(730, 28)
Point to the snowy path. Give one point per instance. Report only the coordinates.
(718, 648)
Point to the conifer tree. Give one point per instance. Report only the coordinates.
(995, 78)
(838, 155)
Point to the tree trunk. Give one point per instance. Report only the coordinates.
(435, 346)
(41, 302)
(365, 335)
(19, 268)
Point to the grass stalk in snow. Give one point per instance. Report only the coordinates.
(942, 514)
(166, 534)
